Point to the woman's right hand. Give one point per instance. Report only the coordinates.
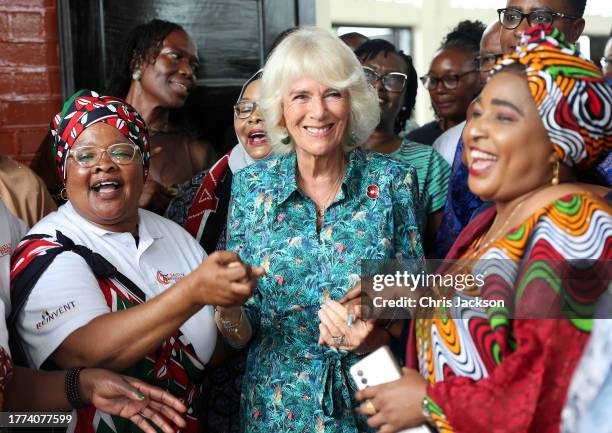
(224, 280)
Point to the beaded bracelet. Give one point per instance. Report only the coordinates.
(71, 384)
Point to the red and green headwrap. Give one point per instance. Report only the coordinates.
(571, 94)
(84, 109)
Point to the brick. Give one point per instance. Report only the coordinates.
(50, 25)
(37, 113)
(55, 81)
(4, 27)
(24, 83)
(7, 142)
(29, 54)
(29, 4)
(29, 140)
(27, 26)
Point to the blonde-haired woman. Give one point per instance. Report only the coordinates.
(308, 216)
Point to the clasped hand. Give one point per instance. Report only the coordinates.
(341, 323)
(224, 280)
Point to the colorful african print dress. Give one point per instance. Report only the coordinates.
(291, 383)
(507, 368)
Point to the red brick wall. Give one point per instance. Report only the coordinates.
(29, 74)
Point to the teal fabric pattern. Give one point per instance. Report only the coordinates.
(292, 384)
(433, 173)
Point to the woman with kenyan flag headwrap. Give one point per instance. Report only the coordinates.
(103, 283)
(505, 366)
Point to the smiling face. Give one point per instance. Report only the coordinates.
(171, 76)
(508, 150)
(572, 29)
(453, 103)
(107, 193)
(252, 131)
(390, 102)
(316, 116)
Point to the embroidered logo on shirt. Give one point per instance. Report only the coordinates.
(166, 279)
(48, 317)
(373, 192)
(5, 250)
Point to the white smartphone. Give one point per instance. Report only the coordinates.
(377, 368)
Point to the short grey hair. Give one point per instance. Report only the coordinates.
(323, 57)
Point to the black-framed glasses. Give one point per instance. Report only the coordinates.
(391, 81)
(449, 81)
(88, 156)
(485, 63)
(511, 18)
(606, 63)
(244, 109)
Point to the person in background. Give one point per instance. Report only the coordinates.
(565, 15)
(541, 249)
(393, 76)
(23, 192)
(309, 215)
(111, 393)
(519, 15)
(155, 72)
(461, 203)
(452, 82)
(102, 283)
(354, 39)
(201, 208)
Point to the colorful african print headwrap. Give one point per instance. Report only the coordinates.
(84, 109)
(571, 94)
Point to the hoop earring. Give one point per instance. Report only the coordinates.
(64, 194)
(137, 75)
(555, 178)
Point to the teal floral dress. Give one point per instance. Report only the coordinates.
(292, 384)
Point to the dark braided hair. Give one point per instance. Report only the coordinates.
(369, 50)
(142, 44)
(465, 37)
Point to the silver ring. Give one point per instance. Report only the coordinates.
(338, 339)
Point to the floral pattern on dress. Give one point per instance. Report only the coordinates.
(292, 384)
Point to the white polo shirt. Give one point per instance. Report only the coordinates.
(12, 230)
(446, 144)
(67, 295)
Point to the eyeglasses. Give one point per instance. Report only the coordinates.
(485, 63)
(391, 81)
(88, 156)
(606, 63)
(449, 81)
(512, 18)
(244, 109)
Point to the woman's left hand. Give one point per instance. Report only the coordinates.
(397, 404)
(338, 330)
(133, 399)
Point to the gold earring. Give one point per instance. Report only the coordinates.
(555, 178)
